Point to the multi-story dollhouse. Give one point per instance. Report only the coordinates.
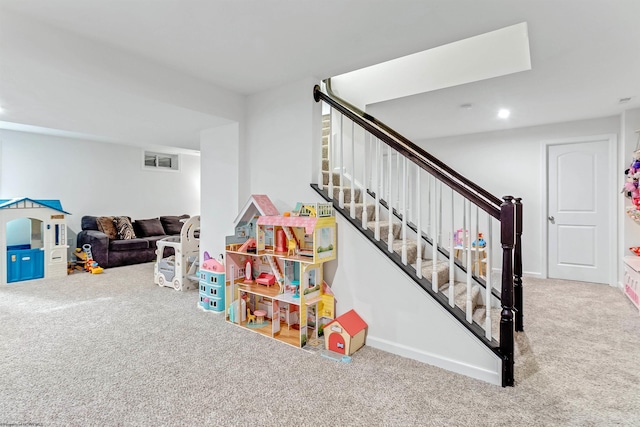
(274, 269)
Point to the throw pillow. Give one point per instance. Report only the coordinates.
(105, 224)
(124, 228)
(150, 227)
(173, 224)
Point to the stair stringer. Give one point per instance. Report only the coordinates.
(401, 318)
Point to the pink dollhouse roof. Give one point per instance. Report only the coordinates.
(261, 203)
(350, 321)
(308, 222)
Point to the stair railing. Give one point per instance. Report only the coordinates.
(387, 172)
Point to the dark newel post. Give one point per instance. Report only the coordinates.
(506, 316)
(517, 268)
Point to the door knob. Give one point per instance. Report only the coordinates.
(552, 219)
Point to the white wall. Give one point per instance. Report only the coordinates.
(283, 126)
(221, 168)
(510, 163)
(92, 178)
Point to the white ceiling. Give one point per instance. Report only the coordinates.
(159, 71)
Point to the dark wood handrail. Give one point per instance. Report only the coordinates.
(462, 185)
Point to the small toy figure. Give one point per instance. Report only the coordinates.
(480, 242)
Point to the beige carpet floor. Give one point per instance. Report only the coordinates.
(116, 350)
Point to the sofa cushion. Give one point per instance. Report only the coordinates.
(128, 244)
(105, 224)
(173, 224)
(89, 223)
(149, 227)
(124, 227)
(153, 240)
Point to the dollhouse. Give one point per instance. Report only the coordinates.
(33, 242)
(274, 269)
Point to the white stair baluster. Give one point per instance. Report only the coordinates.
(398, 183)
(320, 176)
(352, 202)
(436, 229)
(432, 231)
(477, 239)
(418, 204)
(365, 182)
(469, 263)
(488, 284)
(452, 252)
(390, 203)
(341, 165)
(404, 210)
(379, 180)
(434, 243)
(330, 150)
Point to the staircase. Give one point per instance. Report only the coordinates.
(412, 208)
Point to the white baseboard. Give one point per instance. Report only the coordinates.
(435, 360)
(534, 274)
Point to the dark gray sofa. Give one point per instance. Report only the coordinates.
(115, 252)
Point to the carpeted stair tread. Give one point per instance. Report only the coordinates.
(371, 211)
(442, 267)
(412, 250)
(347, 194)
(384, 229)
(479, 316)
(460, 294)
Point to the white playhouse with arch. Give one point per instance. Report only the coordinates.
(33, 239)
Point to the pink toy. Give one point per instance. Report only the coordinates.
(266, 279)
(211, 264)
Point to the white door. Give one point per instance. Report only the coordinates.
(579, 218)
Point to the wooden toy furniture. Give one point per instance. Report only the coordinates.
(251, 318)
(260, 314)
(266, 279)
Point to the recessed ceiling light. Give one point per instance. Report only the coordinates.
(503, 113)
